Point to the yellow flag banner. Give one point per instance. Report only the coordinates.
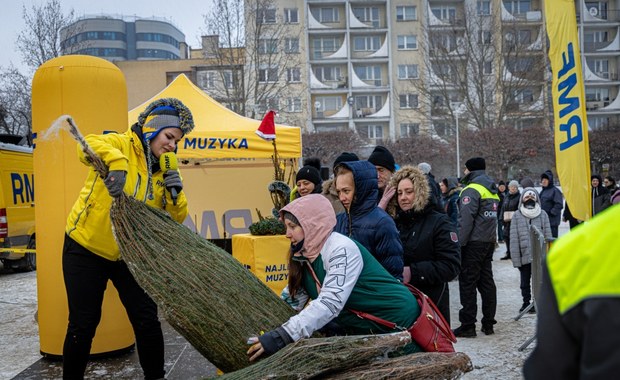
(569, 111)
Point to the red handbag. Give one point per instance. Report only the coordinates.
(430, 331)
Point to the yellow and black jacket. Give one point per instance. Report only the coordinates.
(578, 329)
(89, 220)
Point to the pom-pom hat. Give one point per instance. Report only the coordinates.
(165, 113)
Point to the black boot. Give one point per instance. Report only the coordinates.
(487, 330)
(465, 331)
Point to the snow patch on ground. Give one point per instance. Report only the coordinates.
(493, 357)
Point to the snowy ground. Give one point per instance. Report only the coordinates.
(494, 357)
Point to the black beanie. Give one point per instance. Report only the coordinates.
(382, 157)
(476, 163)
(309, 173)
(345, 157)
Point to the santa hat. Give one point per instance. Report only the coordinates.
(267, 128)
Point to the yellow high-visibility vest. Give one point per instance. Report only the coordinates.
(586, 262)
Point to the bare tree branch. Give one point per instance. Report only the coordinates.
(40, 40)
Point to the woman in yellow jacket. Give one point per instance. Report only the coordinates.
(91, 255)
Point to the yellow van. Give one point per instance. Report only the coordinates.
(17, 228)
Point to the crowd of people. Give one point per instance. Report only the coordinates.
(355, 239)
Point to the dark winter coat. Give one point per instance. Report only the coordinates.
(601, 199)
(430, 242)
(478, 215)
(511, 202)
(368, 224)
(551, 200)
(451, 200)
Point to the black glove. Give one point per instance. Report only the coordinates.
(275, 340)
(115, 182)
(172, 180)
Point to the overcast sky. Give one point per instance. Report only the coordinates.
(187, 15)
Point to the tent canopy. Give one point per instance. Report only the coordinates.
(219, 132)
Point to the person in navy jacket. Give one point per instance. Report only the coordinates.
(363, 220)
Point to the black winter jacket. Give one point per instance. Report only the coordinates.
(432, 250)
(551, 200)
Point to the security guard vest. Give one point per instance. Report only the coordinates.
(584, 264)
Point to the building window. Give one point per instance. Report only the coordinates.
(408, 101)
(157, 37)
(595, 36)
(524, 96)
(272, 103)
(325, 46)
(291, 45)
(597, 94)
(373, 131)
(206, 79)
(369, 74)
(406, 13)
(368, 15)
(269, 74)
(484, 7)
(487, 67)
(293, 75)
(293, 105)
(291, 15)
(518, 6)
(368, 43)
(409, 129)
(443, 128)
(326, 15)
(266, 16)
(227, 76)
(327, 105)
(407, 42)
(485, 37)
(368, 104)
(444, 12)
(267, 46)
(407, 71)
(328, 73)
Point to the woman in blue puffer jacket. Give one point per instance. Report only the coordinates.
(363, 221)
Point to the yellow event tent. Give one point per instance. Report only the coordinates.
(225, 166)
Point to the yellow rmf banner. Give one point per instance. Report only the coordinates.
(569, 111)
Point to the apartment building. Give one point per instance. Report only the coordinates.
(599, 31)
(392, 68)
(118, 38)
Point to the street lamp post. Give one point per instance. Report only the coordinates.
(458, 110)
(458, 153)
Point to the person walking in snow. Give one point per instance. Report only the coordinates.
(529, 214)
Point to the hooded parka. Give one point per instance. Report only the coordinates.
(368, 224)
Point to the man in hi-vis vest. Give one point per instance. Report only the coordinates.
(477, 229)
(578, 326)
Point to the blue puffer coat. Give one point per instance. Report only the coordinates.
(368, 224)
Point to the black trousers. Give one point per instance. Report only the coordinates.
(507, 237)
(86, 275)
(477, 274)
(554, 231)
(526, 277)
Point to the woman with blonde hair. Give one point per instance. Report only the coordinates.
(432, 254)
